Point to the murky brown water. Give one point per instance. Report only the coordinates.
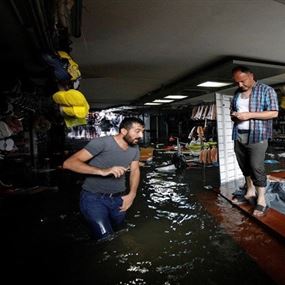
(170, 238)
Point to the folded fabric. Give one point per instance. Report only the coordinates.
(5, 131)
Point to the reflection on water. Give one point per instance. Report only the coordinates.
(170, 239)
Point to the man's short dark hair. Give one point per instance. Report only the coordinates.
(241, 68)
(128, 122)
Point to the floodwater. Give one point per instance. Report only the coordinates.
(170, 237)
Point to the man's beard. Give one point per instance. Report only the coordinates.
(130, 141)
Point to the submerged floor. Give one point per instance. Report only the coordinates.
(178, 232)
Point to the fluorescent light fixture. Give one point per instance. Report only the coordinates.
(162, 101)
(152, 103)
(175, 96)
(213, 84)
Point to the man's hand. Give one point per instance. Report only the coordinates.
(241, 116)
(117, 171)
(127, 202)
(234, 118)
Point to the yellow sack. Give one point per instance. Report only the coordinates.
(75, 111)
(73, 106)
(59, 98)
(70, 97)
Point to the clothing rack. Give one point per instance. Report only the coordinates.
(204, 111)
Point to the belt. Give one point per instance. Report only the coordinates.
(243, 131)
(117, 194)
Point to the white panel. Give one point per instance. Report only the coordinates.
(229, 169)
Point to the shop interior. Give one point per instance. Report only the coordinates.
(55, 99)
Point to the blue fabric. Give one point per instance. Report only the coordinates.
(275, 196)
(263, 98)
(102, 213)
(60, 67)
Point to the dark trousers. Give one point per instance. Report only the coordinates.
(102, 213)
(250, 158)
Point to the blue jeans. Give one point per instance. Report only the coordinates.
(102, 213)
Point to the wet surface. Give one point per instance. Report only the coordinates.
(171, 237)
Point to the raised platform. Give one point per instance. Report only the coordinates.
(273, 220)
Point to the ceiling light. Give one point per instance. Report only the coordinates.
(152, 103)
(176, 96)
(213, 84)
(163, 101)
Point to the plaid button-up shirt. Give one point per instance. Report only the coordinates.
(262, 98)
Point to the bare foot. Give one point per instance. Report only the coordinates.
(251, 193)
(260, 210)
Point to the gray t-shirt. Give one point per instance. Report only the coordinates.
(107, 153)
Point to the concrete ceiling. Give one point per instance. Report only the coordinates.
(132, 49)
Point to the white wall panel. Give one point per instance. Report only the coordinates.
(229, 169)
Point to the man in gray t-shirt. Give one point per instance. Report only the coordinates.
(105, 161)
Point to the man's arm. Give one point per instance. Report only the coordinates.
(134, 178)
(134, 183)
(77, 163)
(265, 115)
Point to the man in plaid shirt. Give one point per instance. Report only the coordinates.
(252, 109)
